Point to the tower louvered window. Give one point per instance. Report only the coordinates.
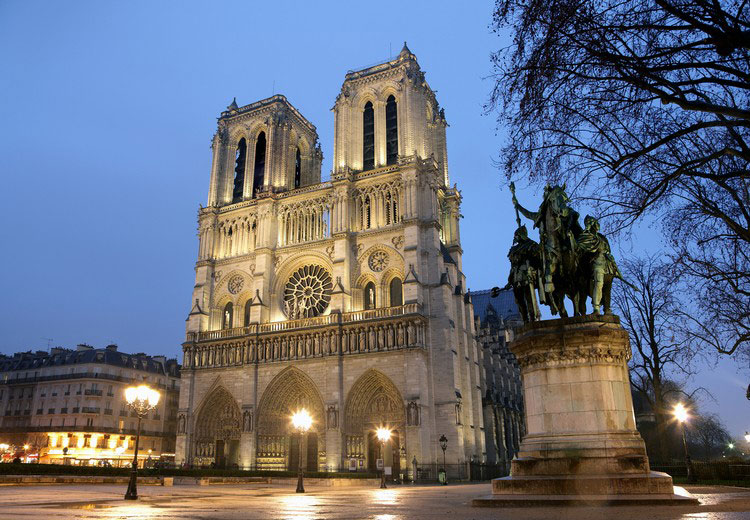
(260, 164)
(239, 170)
(391, 131)
(297, 169)
(368, 138)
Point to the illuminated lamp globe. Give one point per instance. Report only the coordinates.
(302, 420)
(383, 434)
(680, 413)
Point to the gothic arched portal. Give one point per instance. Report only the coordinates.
(217, 430)
(374, 401)
(278, 445)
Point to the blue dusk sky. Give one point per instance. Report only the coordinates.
(107, 111)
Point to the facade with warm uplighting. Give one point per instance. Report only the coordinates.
(69, 406)
(344, 297)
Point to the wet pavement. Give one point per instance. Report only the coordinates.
(258, 501)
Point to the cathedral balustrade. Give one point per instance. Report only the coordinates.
(378, 330)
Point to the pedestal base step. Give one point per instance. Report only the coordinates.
(679, 497)
(651, 483)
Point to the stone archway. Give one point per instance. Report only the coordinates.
(374, 401)
(278, 445)
(217, 430)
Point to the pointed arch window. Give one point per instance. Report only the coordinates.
(259, 168)
(391, 131)
(240, 156)
(396, 292)
(226, 317)
(297, 169)
(368, 137)
(369, 296)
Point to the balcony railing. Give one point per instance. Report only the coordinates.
(304, 323)
(90, 409)
(361, 332)
(90, 391)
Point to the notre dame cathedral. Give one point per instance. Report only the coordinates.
(344, 297)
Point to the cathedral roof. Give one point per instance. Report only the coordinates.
(503, 305)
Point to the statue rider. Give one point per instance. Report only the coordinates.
(555, 219)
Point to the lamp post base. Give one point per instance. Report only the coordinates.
(132, 492)
(300, 485)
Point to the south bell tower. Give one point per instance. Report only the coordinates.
(346, 297)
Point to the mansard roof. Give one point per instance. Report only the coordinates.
(104, 356)
(503, 305)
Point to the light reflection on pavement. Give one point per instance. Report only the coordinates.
(250, 502)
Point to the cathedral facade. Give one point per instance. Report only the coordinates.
(344, 297)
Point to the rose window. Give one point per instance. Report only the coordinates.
(235, 284)
(378, 261)
(308, 292)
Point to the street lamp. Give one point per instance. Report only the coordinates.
(681, 414)
(747, 436)
(383, 435)
(443, 446)
(141, 399)
(301, 421)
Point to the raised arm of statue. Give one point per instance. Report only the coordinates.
(531, 215)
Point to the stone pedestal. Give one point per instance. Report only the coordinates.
(581, 443)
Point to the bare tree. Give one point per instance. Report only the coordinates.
(710, 434)
(641, 106)
(649, 311)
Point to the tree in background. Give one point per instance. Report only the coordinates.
(641, 106)
(650, 312)
(709, 435)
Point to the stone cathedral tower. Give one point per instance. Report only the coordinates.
(344, 297)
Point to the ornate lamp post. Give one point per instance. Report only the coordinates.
(141, 399)
(383, 435)
(681, 414)
(301, 421)
(443, 446)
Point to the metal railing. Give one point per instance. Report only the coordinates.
(708, 470)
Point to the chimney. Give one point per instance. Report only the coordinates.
(112, 347)
(84, 346)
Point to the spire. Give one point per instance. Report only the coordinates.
(233, 104)
(404, 51)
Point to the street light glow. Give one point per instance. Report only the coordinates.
(302, 420)
(731, 446)
(383, 434)
(143, 394)
(747, 436)
(680, 413)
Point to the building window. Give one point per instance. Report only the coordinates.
(368, 138)
(369, 296)
(297, 169)
(240, 156)
(259, 168)
(397, 297)
(226, 319)
(391, 131)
